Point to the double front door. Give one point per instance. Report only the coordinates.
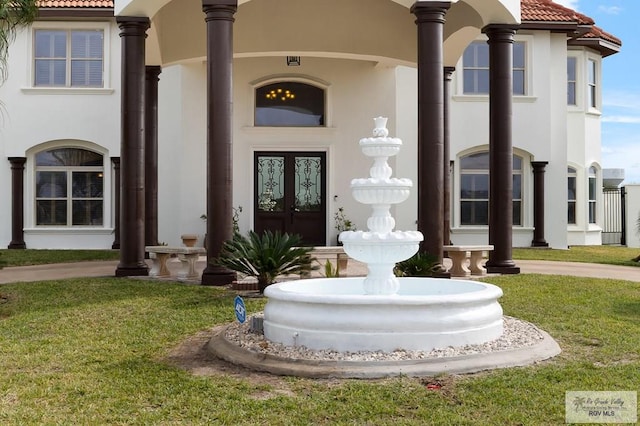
(290, 194)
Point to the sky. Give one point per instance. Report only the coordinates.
(620, 83)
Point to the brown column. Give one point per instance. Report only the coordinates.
(17, 203)
(500, 149)
(132, 186)
(446, 183)
(151, 156)
(219, 19)
(116, 209)
(538, 203)
(430, 21)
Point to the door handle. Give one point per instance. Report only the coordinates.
(294, 209)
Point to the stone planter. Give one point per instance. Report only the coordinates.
(189, 240)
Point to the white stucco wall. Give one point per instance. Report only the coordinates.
(544, 129)
(585, 150)
(357, 91)
(35, 118)
(406, 214)
(539, 134)
(633, 215)
(5, 195)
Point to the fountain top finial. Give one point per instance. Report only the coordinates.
(380, 131)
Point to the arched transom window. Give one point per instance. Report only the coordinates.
(69, 187)
(474, 189)
(290, 104)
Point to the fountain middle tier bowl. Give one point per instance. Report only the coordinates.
(427, 313)
(381, 191)
(376, 247)
(380, 147)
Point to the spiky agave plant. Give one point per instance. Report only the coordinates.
(418, 265)
(266, 256)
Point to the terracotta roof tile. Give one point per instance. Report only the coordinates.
(75, 3)
(597, 32)
(548, 11)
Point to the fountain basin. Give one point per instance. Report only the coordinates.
(426, 313)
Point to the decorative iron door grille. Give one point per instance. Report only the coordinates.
(290, 194)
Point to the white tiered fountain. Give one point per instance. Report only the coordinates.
(381, 312)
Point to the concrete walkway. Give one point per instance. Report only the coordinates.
(107, 269)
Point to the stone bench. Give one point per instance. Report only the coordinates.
(188, 257)
(335, 253)
(460, 254)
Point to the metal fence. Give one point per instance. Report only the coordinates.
(613, 229)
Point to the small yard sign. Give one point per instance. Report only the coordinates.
(241, 311)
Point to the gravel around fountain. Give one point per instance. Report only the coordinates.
(517, 334)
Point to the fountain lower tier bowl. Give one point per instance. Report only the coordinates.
(426, 313)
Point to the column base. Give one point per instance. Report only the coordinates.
(217, 276)
(17, 246)
(115, 246)
(504, 269)
(132, 271)
(542, 243)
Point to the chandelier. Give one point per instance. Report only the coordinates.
(281, 94)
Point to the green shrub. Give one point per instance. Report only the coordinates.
(419, 265)
(330, 271)
(266, 256)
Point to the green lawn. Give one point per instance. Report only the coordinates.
(39, 257)
(612, 255)
(92, 351)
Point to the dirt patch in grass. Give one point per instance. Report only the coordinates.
(192, 355)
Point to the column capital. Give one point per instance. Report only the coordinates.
(17, 162)
(539, 166)
(219, 9)
(448, 71)
(115, 161)
(133, 25)
(500, 32)
(153, 72)
(432, 11)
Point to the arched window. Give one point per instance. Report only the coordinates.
(474, 189)
(571, 207)
(69, 187)
(290, 104)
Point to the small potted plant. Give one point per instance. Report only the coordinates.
(342, 222)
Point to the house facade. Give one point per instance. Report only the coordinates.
(297, 89)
